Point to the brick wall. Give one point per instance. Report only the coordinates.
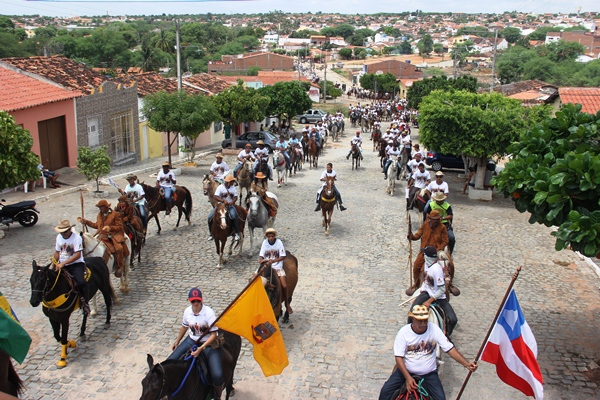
(397, 68)
(106, 102)
(265, 61)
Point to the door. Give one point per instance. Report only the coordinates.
(53, 143)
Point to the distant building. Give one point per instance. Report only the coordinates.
(588, 97)
(242, 62)
(399, 69)
(590, 41)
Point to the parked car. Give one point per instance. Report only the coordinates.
(312, 116)
(252, 137)
(439, 161)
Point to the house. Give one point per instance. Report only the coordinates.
(590, 41)
(242, 62)
(405, 84)
(588, 97)
(531, 92)
(46, 110)
(106, 115)
(271, 39)
(399, 69)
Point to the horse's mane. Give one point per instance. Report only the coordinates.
(150, 190)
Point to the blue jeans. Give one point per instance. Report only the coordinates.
(168, 194)
(213, 359)
(433, 385)
(143, 214)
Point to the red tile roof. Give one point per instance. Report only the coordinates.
(268, 78)
(151, 82)
(20, 91)
(589, 98)
(208, 83)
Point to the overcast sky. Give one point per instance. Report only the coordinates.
(88, 7)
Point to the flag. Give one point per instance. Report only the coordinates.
(14, 340)
(513, 349)
(252, 317)
(112, 183)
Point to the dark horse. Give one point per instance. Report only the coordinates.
(313, 153)
(274, 289)
(415, 199)
(10, 383)
(221, 228)
(327, 202)
(263, 166)
(355, 156)
(165, 378)
(155, 201)
(55, 291)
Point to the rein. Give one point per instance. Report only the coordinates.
(50, 304)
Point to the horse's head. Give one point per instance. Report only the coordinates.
(206, 184)
(247, 166)
(221, 215)
(329, 182)
(254, 201)
(39, 283)
(153, 383)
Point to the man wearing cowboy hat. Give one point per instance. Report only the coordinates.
(356, 140)
(260, 186)
(68, 253)
(262, 154)
(136, 192)
(166, 180)
(226, 193)
(440, 204)
(127, 213)
(245, 155)
(272, 253)
(109, 226)
(414, 349)
(219, 168)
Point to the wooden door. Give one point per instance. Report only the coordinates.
(53, 143)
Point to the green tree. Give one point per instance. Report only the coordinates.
(420, 89)
(405, 48)
(239, 104)
(474, 125)
(561, 51)
(425, 46)
(554, 175)
(438, 48)
(539, 68)
(17, 163)
(386, 83)
(287, 99)
(345, 53)
(332, 91)
(93, 164)
(6, 23)
(511, 34)
(344, 30)
(540, 33)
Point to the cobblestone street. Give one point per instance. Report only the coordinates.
(346, 312)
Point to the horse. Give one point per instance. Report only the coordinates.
(295, 160)
(364, 125)
(327, 203)
(10, 383)
(376, 139)
(313, 153)
(221, 228)
(404, 158)
(382, 154)
(92, 247)
(335, 131)
(155, 201)
(263, 166)
(391, 174)
(281, 167)
(305, 146)
(274, 290)
(355, 151)
(244, 178)
(55, 291)
(175, 376)
(258, 215)
(417, 197)
(209, 186)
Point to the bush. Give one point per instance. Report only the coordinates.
(93, 164)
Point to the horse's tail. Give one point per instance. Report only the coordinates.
(13, 378)
(188, 202)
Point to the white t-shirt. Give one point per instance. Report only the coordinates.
(162, 178)
(433, 187)
(226, 194)
(421, 178)
(417, 350)
(138, 190)
(405, 141)
(67, 247)
(220, 170)
(326, 174)
(356, 140)
(433, 277)
(391, 152)
(271, 252)
(261, 153)
(200, 322)
(243, 154)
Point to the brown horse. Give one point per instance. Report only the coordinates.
(10, 383)
(274, 290)
(376, 139)
(305, 147)
(221, 228)
(382, 155)
(327, 202)
(209, 186)
(313, 153)
(182, 199)
(415, 198)
(355, 156)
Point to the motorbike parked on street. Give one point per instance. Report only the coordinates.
(23, 212)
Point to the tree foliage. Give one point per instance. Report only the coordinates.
(555, 176)
(386, 83)
(420, 89)
(511, 34)
(345, 53)
(425, 46)
(18, 163)
(93, 164)
(332, 91)
(286, 99)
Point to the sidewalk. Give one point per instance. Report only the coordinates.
(72, 181)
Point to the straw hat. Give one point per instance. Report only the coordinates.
(229, 178)
(419, 312)
(63, 226)
(270, 230)
(435, 214)
(248, 146)
(260, 142)
(260, 175)
(439, 196)
(166, 164)
(103, 203)
(218, 155)
(131, 176)
(439, 173)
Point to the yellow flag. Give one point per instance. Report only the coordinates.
(251, 316)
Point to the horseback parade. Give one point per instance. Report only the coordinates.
(186, 306)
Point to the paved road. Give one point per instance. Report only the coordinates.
(340, 336)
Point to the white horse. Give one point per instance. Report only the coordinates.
(258, 215)
(96, 248)
(391, 176)
(282, 171)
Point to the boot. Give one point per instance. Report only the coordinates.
(454, 290)
(318, 208)
(218, 391)
(85, 307)
(342, 208)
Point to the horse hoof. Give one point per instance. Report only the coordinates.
(61, 363)
(122, 289)
(107, 325)
(83, 338)
(93, 313)
(71, 343)
(326, 233)
(218, 266)
(175, 228)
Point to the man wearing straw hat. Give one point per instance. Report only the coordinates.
(166, 180)
(226, 193)
(68, 254)
(136, 192)
(438, 202)
(219, 168)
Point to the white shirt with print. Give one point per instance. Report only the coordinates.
(165, 179)
(226, 194)
(417, 350)
(220, 169)
(273, 251)
(421, 178)
(67, 247)
(433, 278)
(197, 323)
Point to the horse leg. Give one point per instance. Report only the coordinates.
(65, 343)
(83, 326)
(251, 230)
(157, 224)
(56, 329)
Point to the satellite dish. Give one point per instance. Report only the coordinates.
(379, 72)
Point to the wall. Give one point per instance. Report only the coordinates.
(266, 61)
(30, 117)
(398, 68)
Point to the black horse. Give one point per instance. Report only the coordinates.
(55, 291)
(164, 379)
(263, 166)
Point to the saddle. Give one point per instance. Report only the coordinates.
(62, 299)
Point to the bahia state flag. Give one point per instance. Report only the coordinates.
(14, 340)
(513, 349)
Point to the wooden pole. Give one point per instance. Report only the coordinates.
(487, 336)
(410, 255)
(83, 226)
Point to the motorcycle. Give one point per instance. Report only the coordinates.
(23, 212)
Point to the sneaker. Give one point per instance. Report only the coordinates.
(210, 238)
(236, 238)
(318, 208)
(342, 208)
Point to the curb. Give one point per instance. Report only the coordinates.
(590, 263)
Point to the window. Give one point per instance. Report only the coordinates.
(218, 126)
(121, 134)
(93, 129)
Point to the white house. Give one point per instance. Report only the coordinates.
(271, 39)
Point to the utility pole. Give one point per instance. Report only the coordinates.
(494, 62)
(325, 81)
(178, 54)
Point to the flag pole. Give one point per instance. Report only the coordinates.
(410, 255)
(487, 336)
(83, 226)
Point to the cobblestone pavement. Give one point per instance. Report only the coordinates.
(346, 312)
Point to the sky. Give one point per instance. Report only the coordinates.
(133, 7)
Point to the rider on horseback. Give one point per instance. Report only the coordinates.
(226, 193)
(262, 155)
(322, 130)
(329, 172)
(314, 134)
(412, 164)
(282, 146)
(376, 127)
(356, 140)
(138, 197)
(242, 157)
(419, 179)
(391, 152)
(166, 180)
(414, 349)
(260, 187)
(219, 168)
(294, 144)
(127, 213)
(68, 254)
(440, 204)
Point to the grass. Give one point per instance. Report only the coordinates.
(331, 107)
(341, 72)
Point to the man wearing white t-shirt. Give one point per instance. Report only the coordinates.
(329, 172)
(414, 349)
(219, 168)
(166, 180)
(226, 193)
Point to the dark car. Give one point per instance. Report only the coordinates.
(439, 161)
(252, 138)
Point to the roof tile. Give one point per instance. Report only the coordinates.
(588, 97)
